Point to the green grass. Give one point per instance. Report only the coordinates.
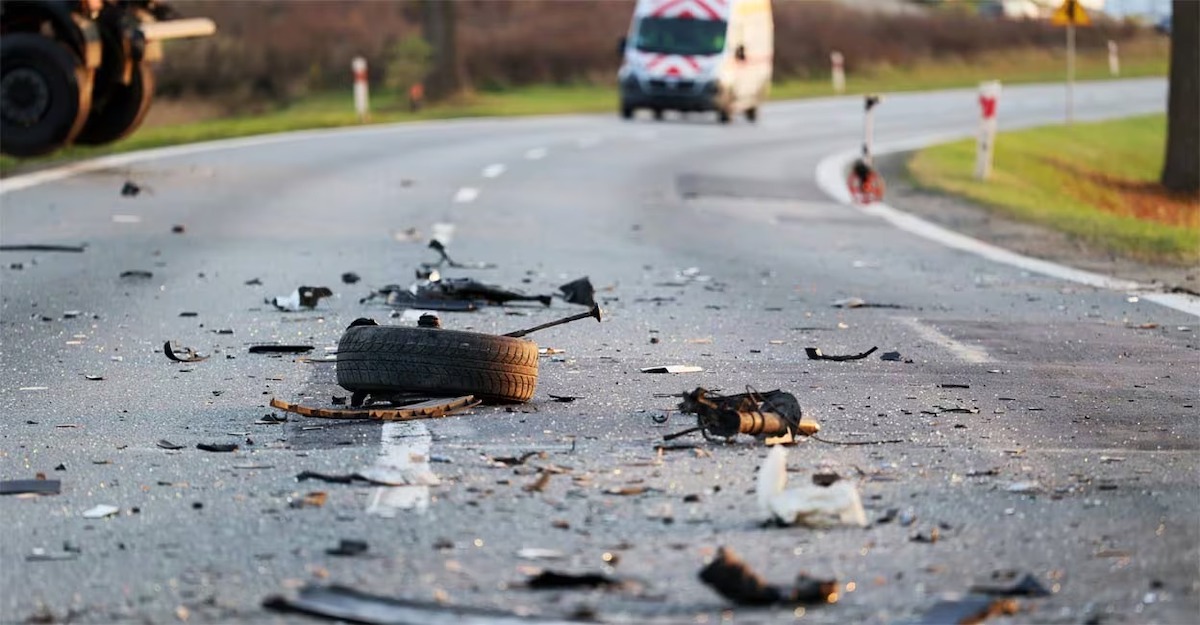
(328, 110)
(1095, 181)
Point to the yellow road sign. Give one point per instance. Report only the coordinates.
(1070, 13)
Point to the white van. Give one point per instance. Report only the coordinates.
(697, 55)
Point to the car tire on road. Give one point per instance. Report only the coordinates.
(123, 112)
(390, 359)
(46, 95)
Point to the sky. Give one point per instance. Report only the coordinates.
(1156, 8)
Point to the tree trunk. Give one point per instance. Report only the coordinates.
(446, 76)
(1181, 170)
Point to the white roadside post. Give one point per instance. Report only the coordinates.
(359, 66)
(869, 103)
(1114, 62)
(839, 71)
(989, 97)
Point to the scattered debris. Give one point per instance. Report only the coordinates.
(809, 505)
(594, 313)
(437, 288)
(673, 369)
(972, 609)
(538, 553)
(579, 292)
(348, 548)
(444, 258)
(182, 354)
(729, 576)
(539, 485)
(253, 282)
(217, 447)
(814, 353)
(314, 499)
(551, 580)
(858, 302)
(100, 511)
(562, 399)
(280, 349)
(397, 297)
(40, 247)
(345, 604)
(1027, 487)
(37, 486)
(350, 277)
(178, 229)
(302, 298)
(1007, 584)
(271, 419)
(166, 444)
(770, 414)
(130, 189)
(428, 409)
(136, 274)
(952, 385)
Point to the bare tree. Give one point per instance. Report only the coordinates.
(1181, 170)
(446, 77)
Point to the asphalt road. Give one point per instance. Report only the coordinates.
(1040, 425)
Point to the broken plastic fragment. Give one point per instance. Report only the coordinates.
(809, 505)
(280, 349)
(182, 354)
(579, 292)
(302, 298)
(217, 447)
(814, 353)
(1027, 585)
(166, 444)
(673, 369)
(38, 487)
(348, 547)
(731, 578)
(100, 511)
(547, 580)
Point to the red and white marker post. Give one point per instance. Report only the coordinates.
(989, 99)
(359, 66)
(837, 61)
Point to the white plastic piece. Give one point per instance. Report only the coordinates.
(809, 505)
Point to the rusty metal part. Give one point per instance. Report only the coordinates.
(431, 409)
(593, 313)
(770, 414)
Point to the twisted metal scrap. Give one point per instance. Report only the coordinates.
(773, 413)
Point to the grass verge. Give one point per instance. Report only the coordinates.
(1095, 181)
(1146, 57)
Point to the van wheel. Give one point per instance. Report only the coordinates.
(752, 114)
(626, 112)
(723, 116)
(392, 359)
(45, 95)
(122, 112)
(658, 115)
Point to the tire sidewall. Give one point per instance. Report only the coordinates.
(69, 94)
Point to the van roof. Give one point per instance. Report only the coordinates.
(685, 9)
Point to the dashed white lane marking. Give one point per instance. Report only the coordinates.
(493, 171)
(830, 178)
(964, 352)
(466, 194)
(403, 460)
(588, 142)
(536, 154)
(126, 219)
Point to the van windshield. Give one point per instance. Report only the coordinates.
(665, 35)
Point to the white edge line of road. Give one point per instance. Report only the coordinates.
(830, 176)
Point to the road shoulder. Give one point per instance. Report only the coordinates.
(974, 220)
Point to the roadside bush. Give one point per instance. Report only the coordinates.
(268, 52)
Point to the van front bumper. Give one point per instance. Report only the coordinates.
(677, 95)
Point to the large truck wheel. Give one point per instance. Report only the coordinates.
(394, 359)
(723, 116)
(45, 95)
(122, 111)
(752, 114)
(626, 112)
